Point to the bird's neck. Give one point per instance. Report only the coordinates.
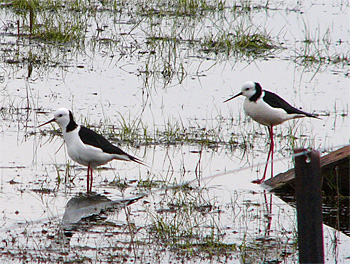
(71, 126)
(70, 136)
(259, 93)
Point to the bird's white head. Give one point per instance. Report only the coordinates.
(249, 89)
(63, 117)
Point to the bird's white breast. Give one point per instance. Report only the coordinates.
(263, 113)
(82, 153)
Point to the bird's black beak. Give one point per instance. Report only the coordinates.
(52, 120)
(233, 97)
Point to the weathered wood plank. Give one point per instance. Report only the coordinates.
(335, 170)
(308, 194)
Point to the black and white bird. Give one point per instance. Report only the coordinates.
(85, 146)
(267, 109)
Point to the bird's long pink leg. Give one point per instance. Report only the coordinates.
(270, 128)
(88, 180)
(272, 148)
(91, 178)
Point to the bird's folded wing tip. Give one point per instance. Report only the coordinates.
(139, 161)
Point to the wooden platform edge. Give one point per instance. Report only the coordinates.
(287, 177)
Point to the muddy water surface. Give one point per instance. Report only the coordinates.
(146, 73)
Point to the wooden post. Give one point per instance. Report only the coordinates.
(308, 188)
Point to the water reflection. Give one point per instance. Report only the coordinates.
(335, 210)
(84, 211)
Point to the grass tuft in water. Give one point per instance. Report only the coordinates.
(241, 41)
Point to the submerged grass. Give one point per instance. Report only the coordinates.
(48, 21)
(188, 222)
(182, 220)
(169, 28)
(241, 42)
(162, 34)
(174, 132)
(312, 55)
(179, 8)
(175, 225)
(233, 133)
(315, 52)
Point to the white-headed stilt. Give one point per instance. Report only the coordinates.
(85, 146)
(267, 109)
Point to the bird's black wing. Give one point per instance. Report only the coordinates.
(277, 102)
(91, 138)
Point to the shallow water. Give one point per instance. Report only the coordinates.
(105, 83)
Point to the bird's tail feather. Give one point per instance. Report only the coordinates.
(313, 115)
(137, 160)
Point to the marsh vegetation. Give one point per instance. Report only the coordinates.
(151, 76)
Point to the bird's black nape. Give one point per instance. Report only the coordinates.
(72, 125)
(258, 92)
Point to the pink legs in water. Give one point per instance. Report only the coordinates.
(272, 145)
(89, 177)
